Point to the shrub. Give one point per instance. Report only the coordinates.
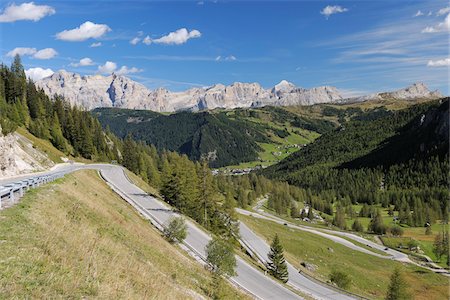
(396, 231)
(176, 230)
(341, 279)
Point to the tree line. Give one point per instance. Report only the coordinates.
(188, 186)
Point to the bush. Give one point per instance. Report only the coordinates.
(7, 126)
(176, 230)
(396, 231)
(341, 279)
(412, 244)
(220, 257)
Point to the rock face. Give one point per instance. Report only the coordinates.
(18, 156)
(119, 91)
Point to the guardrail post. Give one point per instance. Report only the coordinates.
(11, 195)
(0, 202)
(21, 191)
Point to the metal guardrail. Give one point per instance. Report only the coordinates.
(14, 191)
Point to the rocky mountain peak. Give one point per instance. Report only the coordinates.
(284, 85)
(416, 90)
(116, 90)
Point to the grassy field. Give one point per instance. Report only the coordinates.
(75, 238)
(278, 148)
(417, 233)
(369, 274)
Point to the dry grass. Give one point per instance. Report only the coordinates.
(76, 238)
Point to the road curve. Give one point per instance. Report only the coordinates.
(248, 277)
(296, 279)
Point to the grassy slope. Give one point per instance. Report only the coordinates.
(43, 146)
(79, 239)
(369, 274)
(47, 147)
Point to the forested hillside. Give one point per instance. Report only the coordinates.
(202, 135)
(188, 186)
(388, 157)
(221, 137)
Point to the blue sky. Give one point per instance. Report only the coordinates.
(357, 46)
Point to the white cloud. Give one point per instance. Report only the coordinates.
(25, 11)
(147, 40)
(178, 37)
(331, 10)
(440, 27)
(95, 45)
(125, 70)
(83, 62)
(46, 53)
(87, 30)
(135, 41)
(111, 67)
(443, 11)
(439, 63)
(36, 74)
(108, 68)
(226, 58)
(418, 13)
(22, 51)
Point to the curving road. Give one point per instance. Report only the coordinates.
(332, 235)
(296, 280)
(248, 277)
(335, 236)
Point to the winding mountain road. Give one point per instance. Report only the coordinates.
(249, 278)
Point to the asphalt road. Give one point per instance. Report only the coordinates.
(248, 277)
(296, 279)
(333, 235)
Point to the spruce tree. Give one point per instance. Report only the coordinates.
(206, 193)
(357, 226)
(277, 264)
(397, 289)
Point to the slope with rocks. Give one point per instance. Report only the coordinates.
(19, 155)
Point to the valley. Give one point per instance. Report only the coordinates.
(272, 150)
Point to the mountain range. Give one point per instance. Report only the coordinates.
(93, 91)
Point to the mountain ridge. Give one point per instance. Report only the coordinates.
(94, 91)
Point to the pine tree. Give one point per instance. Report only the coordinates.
(310, 213)
(397, 289)
(56, 135)
(376, 225)
(206, 193)
(357, 226)
(276, 264)
(339, 218)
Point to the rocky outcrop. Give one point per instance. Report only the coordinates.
(119, 91)
(17, 156)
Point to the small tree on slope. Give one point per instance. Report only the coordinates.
(397, 287)
(277, 265)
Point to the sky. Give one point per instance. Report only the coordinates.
(358, 46)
